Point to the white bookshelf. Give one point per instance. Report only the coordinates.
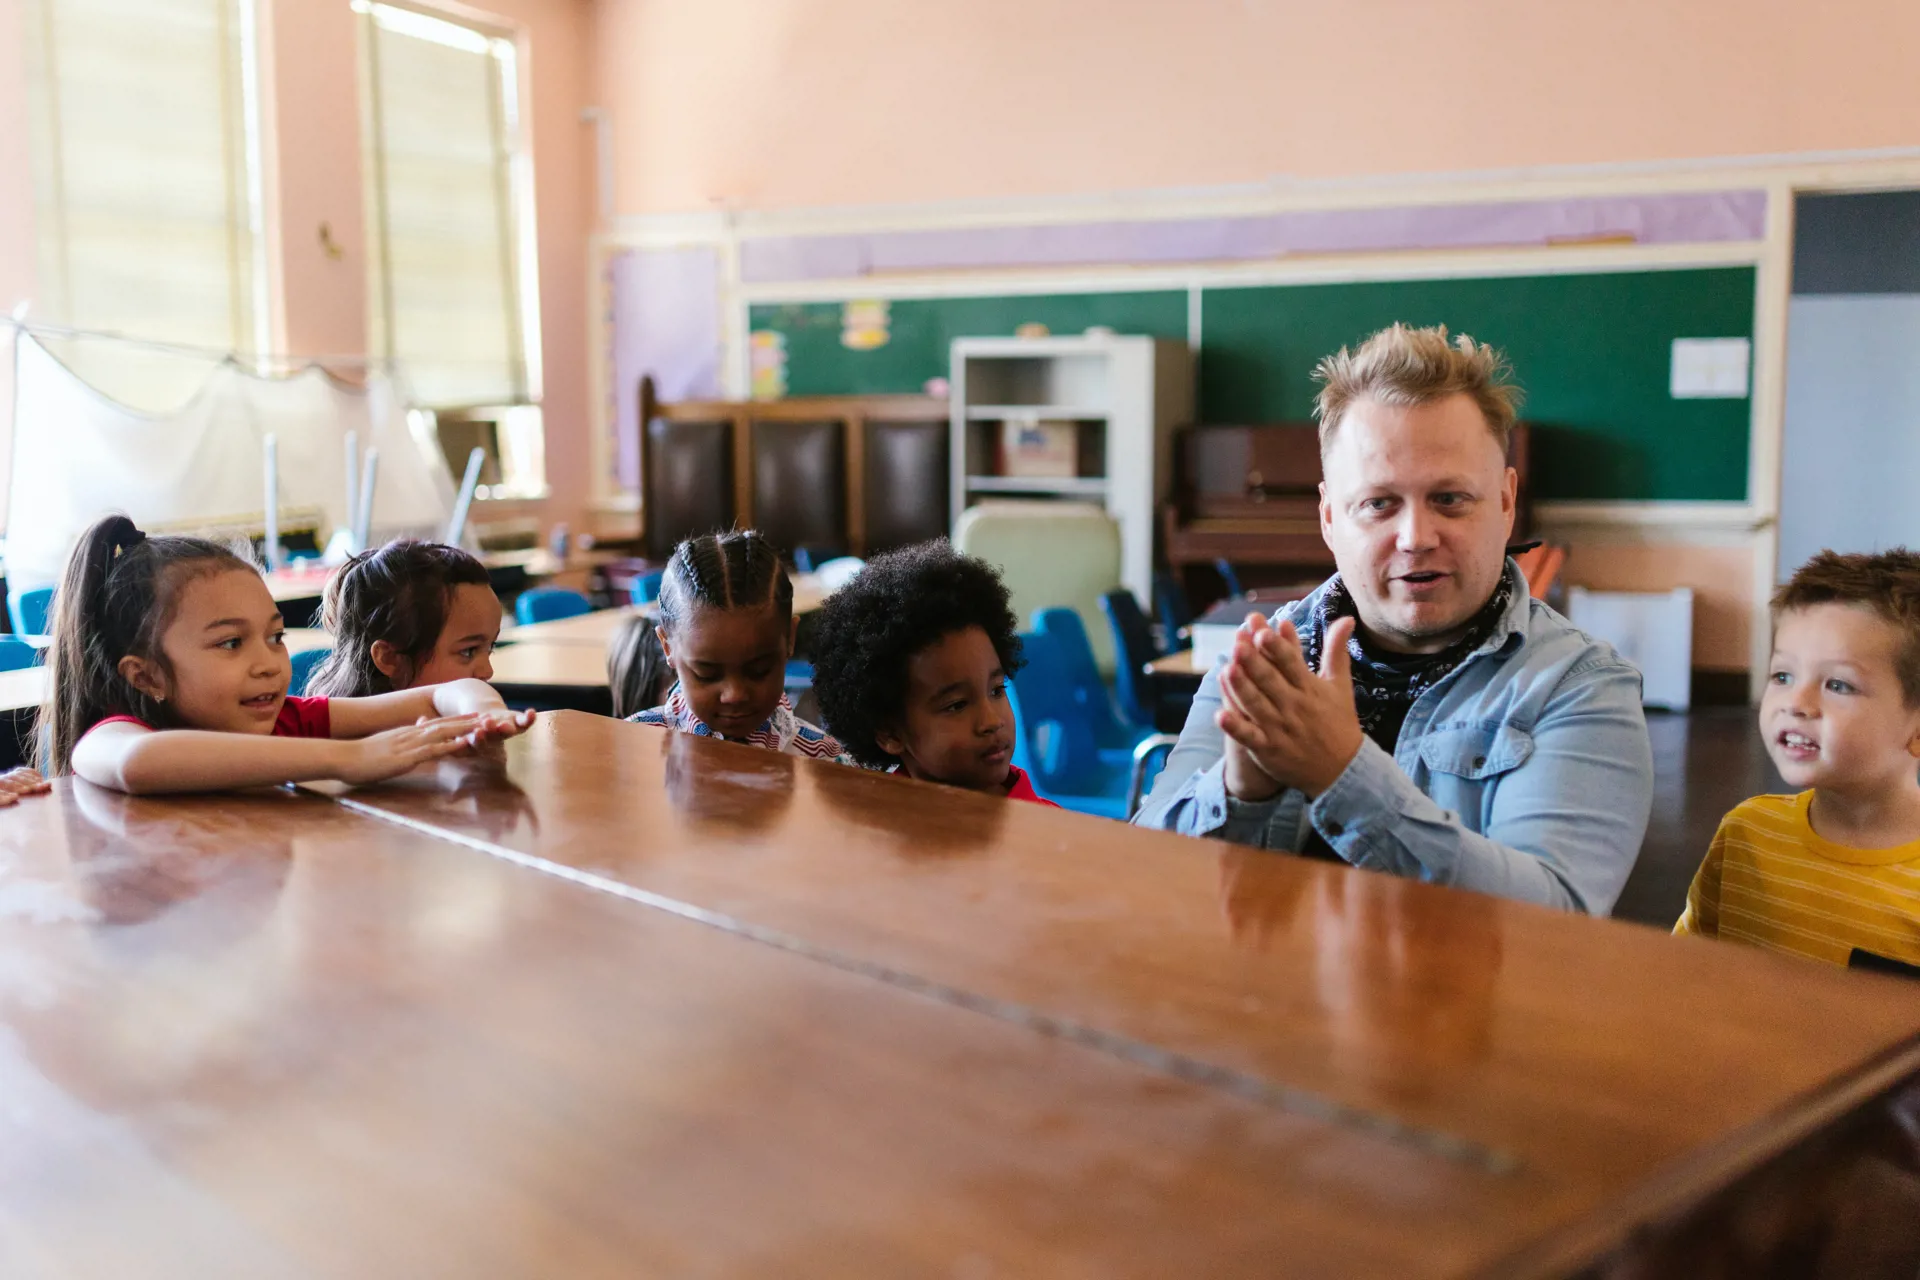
(1124, 393)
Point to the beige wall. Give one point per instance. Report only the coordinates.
(1722, 579)
(771, 103)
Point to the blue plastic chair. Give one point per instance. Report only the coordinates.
(305, 663)
(799, 676)
(1133, 648)
(16, 654)
(646, 587)
(1054, 738)
(1172, 612)
(1224, 567)
(549, 604)
(1069, 636)
(30, 610)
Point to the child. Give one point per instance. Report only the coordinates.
(408, 614)
(726, 628)
(637, 670)
(1834, 872)
(911, 662)
(169, 673)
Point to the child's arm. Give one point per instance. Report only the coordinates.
(358, 717)
(132, 758)
(1701, 919)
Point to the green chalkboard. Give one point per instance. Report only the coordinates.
(1593, 353)
(921, 329)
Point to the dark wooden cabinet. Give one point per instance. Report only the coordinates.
(844, 474)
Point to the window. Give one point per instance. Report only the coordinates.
(146, 183)
(450, 292)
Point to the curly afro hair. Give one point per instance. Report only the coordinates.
(899, 604)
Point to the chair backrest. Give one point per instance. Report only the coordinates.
(1224, 567)
(30, 610)
(1171, 610)
(906, 483)
(1053, 740)
(305, 663)
(646, 587)
(1081, 560)
(799, 484)
(1541, 567)
(1068, 638)
(16, 654)
(549, 604)
(1133, 642)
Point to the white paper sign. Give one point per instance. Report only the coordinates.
(1711, 368)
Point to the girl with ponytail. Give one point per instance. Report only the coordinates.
(726, 630)
(169, 672)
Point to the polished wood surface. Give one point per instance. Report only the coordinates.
(1589, 1059)
(263, 1035)
(600, 626)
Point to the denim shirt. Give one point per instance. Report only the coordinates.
(1525, 772)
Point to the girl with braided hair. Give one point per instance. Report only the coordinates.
(726, 628)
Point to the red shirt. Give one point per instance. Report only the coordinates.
(1019, 788)
(298, 718)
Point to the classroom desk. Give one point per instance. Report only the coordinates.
(1613, 1078)
(599, 627)
(300, 591)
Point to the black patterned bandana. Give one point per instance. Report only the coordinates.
(1385, 687)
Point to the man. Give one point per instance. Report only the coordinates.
(1420, 713)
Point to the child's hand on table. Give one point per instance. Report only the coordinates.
(16, 783)
(388, 755)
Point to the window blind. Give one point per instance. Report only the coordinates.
(147, 208)
(446, 288)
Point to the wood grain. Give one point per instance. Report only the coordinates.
(1598, 1056)
(262, 1035)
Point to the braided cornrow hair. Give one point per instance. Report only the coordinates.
(736, 570)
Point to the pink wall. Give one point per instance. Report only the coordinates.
(772, 103)
(312, 104)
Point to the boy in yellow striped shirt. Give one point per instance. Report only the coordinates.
(1833, 872)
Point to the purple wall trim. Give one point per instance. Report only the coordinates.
(1691, 218)
(665, 319)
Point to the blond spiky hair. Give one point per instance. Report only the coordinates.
(1402, 365)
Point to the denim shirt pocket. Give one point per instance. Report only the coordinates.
(1476, 752)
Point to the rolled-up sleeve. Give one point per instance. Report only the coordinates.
(1564, 828)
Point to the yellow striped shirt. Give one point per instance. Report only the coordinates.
(1770, 880)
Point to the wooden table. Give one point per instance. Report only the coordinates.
(599, 627)
(1177, 665)
(651, 1003)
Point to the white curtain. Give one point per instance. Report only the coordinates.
(78, 455)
